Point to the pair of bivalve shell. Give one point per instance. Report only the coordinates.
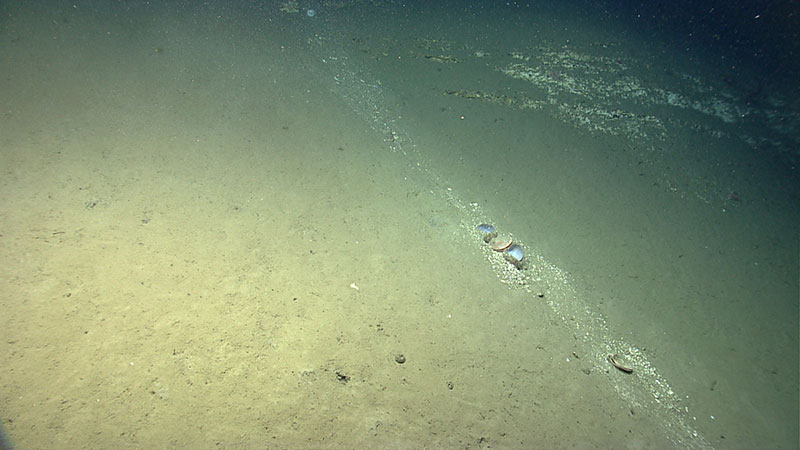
(511, 252)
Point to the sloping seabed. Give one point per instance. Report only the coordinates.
(257, 228)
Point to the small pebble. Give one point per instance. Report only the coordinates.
(400, 358)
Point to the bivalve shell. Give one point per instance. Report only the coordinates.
(500, 243)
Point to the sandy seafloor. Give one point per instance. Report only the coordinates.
(220, 226)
